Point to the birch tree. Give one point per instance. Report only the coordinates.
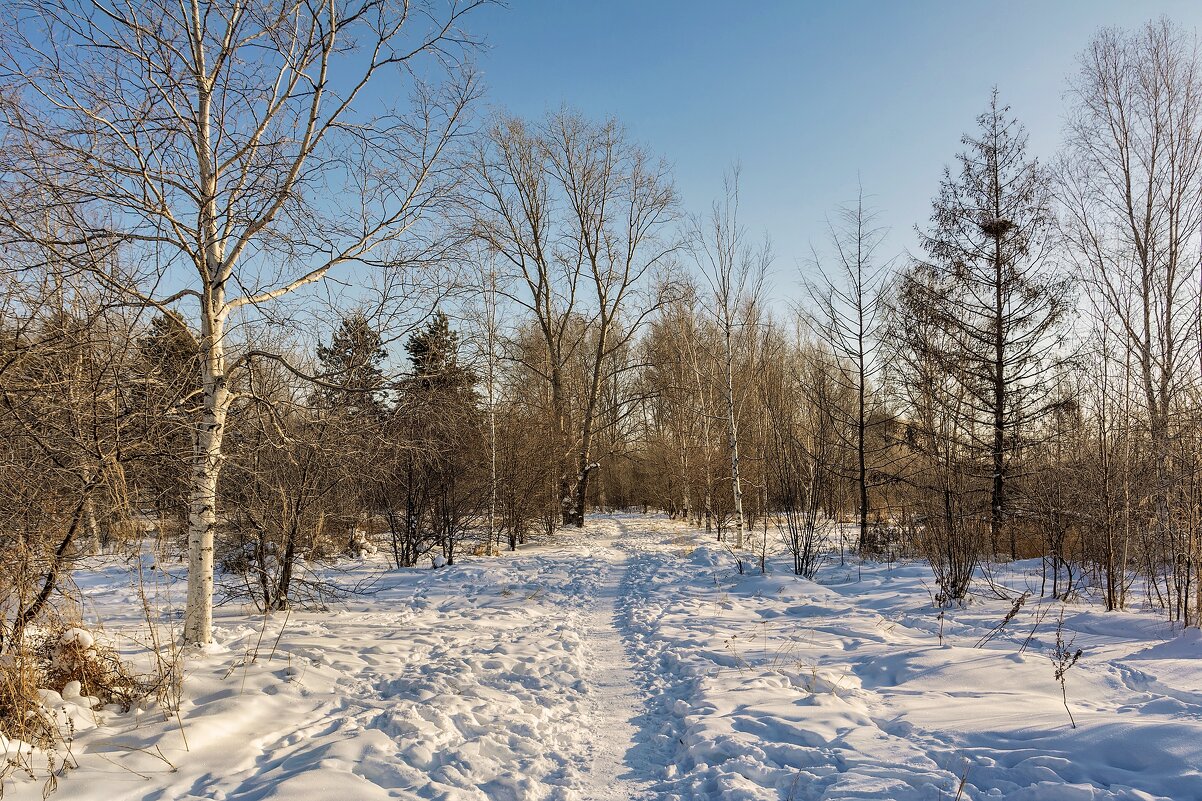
(734, 271)
(1131, 186)
(234, 150)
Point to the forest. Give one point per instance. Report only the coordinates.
(283, 292)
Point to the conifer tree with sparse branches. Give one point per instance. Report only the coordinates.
(997, 294)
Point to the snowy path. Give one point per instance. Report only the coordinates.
(630, 662)
(618, 771)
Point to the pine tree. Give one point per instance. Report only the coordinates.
(351, 374)
(170, 354)
(440, 410)
(169, 387)
(434, 356)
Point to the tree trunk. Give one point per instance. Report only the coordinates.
(559, 406)
(585, 464)
(732, 433)
(861, 461)
(59, 564)
(997, 496)
(206, 468)
(206, 455)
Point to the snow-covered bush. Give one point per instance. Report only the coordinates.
(73, 661)
(361, 546)
(51, 683)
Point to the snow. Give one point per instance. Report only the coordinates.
(632, 661)
(78, 637)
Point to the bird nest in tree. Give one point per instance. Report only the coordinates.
(996, 228)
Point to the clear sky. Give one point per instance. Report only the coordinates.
(808, 96)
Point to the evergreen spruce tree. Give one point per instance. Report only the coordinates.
(170, 352)
(168, 372)
(434, 356)
(443, 426)
(351, 371)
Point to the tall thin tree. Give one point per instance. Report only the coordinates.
(846, 306)
(734, 271)
(1004, 303)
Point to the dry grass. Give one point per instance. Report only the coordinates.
(23, 716)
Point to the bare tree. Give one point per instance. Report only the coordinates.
(581, 215)
(72, 425)
(734, 271)
(798, 384)
(846, 307)
(229, 147)
(285, 488)
(1131, 185)
(487, 342)
(681, 407)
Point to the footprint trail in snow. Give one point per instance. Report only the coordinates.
(631, 662)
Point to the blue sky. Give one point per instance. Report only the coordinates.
(809, 97)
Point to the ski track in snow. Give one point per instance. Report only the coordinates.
(630, 661)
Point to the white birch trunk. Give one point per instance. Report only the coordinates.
(210, 430)
(732, 433)
(202, 502)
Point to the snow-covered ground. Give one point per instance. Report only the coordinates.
(631, 661)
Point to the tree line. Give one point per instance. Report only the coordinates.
(276, 318)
